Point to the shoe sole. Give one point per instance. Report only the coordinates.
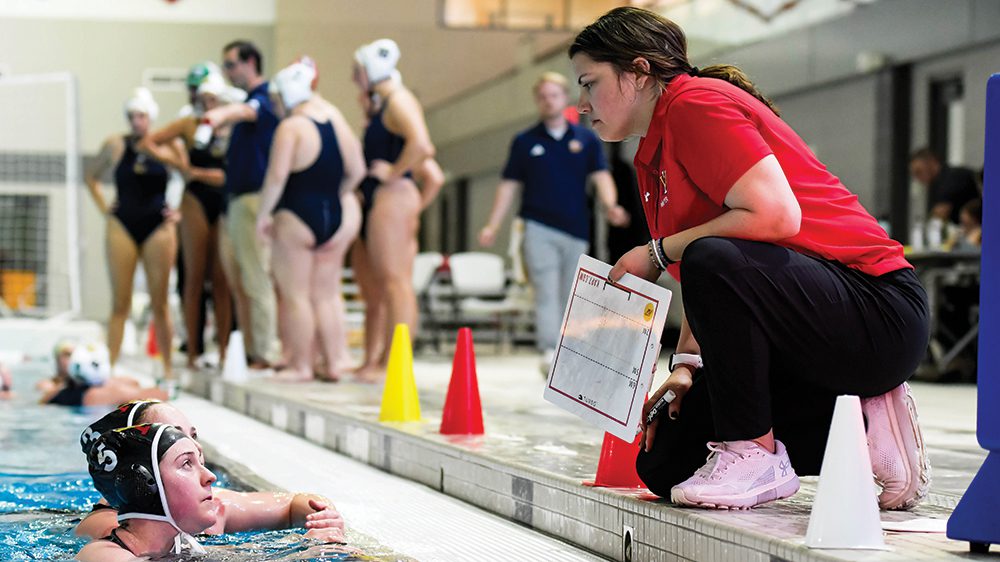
(910, 495)
(776, 491)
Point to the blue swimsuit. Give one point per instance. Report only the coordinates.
(314, 193)
(142, 188)
(212, 198)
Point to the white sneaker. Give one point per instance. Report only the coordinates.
(896, 445)
(739, 475)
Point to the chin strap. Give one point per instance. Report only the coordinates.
(192, 543)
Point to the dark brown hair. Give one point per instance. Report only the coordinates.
(246, 50)
(623, 34)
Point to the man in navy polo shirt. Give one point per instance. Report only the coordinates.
(245, 256)
(553, 161)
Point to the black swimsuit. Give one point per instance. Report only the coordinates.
(212, 157)
(313, 194)
(113, 537)
(70, 395)
(142, 188)
(380, 144)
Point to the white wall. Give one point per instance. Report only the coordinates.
(838, 122)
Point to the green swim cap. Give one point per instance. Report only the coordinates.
(198, 73)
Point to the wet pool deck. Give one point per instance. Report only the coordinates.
(529, 465)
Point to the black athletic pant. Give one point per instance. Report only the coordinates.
(782, 335)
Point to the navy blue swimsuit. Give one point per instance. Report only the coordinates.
(70, 395)
(212, 157)
(142, 188)
(380, 144)
(313, 194)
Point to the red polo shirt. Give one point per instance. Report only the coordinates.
(706, 133)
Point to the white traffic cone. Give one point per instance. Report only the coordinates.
(235, 369)
(845, 513)
(130, 339)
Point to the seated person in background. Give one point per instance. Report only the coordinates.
(161, 505)
(970, 219)
(948, 187)
(236, 511)
(60, 356)
(89, 382)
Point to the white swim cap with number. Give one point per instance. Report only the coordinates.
(378, 59)
(142, 101)
(294, 83)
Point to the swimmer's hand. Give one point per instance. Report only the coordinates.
(171, 216)
(324, 517)
(487, 236)
(380, 170)
(327, 535)
(618, 216)
(636, 261)
(679, 382)
(265, 227)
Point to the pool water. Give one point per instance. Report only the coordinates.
(45, 488)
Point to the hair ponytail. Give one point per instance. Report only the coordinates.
(735, 76)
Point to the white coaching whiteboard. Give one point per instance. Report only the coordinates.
(610, 340)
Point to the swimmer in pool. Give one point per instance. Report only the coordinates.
(155, 476)
(238, 511)
(85, 374)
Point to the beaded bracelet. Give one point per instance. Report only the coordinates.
(660, 254)
(654, 256)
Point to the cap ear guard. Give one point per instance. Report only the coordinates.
(378, 59)
(294, 84)
(124, 415)
(90, 364)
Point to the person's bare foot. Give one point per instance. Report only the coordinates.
(327, 376)
(258, 364)
(289, 374)
(369, 374)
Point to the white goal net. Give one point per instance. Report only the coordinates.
(40, 180)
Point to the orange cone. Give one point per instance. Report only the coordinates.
(463, 412)
(616, 469)
(151, 349)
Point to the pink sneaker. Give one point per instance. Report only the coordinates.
(896, 446)
(738, 475)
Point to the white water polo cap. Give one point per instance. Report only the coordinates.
(142, 101)
(90, 364)
(294, 83)
(378, 59)
(215, 85)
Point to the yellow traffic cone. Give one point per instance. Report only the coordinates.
(400, 402)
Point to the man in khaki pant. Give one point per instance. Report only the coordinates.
(244, 256)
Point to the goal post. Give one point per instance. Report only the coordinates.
(40, 181)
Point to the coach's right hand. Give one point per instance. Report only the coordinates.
(679, 382)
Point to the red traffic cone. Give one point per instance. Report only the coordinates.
(616, 469)
(151, 349)
(463, 412)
